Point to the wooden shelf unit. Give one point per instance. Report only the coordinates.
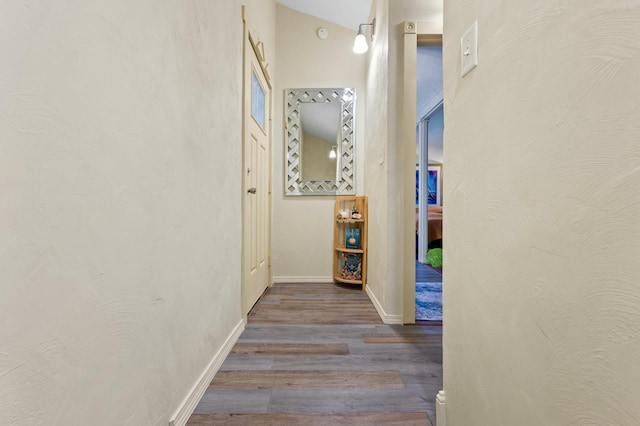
(340, 251)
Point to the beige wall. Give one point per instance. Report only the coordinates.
(541, 289)
(303, 226)
(318, 165)
(376, 165)
(120, 181)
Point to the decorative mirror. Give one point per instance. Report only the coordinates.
(320, 153)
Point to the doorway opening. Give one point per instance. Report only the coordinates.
(429, 173)
(256, 171)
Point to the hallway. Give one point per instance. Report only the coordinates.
(318, 354)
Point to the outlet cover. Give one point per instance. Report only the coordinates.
(469, 50)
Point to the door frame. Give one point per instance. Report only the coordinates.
(414, 34)
(251, 41)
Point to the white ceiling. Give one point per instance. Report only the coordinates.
(348, 13)
(352, 13)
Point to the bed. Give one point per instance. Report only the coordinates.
(434, 226)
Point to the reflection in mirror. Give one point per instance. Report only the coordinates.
(320, 151)
(320, 140)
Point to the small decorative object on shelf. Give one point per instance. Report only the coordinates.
(350, 240)
(355, 214)
(352, 267)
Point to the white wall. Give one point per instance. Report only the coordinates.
(435, 137)
(541, 295)
(429, 79)
(429, 94)
(303, 226)
(120, 192)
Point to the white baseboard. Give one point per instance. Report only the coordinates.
(189, 403)
(306, 279)
(386, 318)
(440, 409)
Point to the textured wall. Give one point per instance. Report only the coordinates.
(542, 222)
(303, 225)
(376, 157)
(120, 192)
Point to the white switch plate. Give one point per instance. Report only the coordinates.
(469, 50)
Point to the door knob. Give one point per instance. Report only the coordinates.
(251, 190)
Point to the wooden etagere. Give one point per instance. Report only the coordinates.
(350, 240)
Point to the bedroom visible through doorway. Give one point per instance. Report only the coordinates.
(429, 176)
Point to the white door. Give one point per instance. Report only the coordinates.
(257, 175)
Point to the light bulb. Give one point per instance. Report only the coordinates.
(360, 44)
(332, 153)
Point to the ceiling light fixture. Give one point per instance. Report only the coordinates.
(360, 44)
(332, 153)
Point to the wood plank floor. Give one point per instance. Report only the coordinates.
(424, 274)
(318, 354)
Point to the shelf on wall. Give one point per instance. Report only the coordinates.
(350, 220)
(350, 263)
(344, 280)
(348, 250)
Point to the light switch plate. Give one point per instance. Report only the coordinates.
(469, 50)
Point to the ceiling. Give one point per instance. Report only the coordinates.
(352, 13)
(348, 13)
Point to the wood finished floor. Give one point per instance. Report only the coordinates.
(318, 354)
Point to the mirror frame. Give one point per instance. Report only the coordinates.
(345, 184)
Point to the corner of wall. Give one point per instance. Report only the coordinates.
(190, 401)
(386, 318)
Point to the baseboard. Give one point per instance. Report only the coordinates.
(440, 409)
(306, 279)
(386, 318)
(189, 403)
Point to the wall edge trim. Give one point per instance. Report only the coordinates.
(386, 318)
(188, 404)
(440, 409)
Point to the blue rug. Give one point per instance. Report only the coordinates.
(429, 301)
